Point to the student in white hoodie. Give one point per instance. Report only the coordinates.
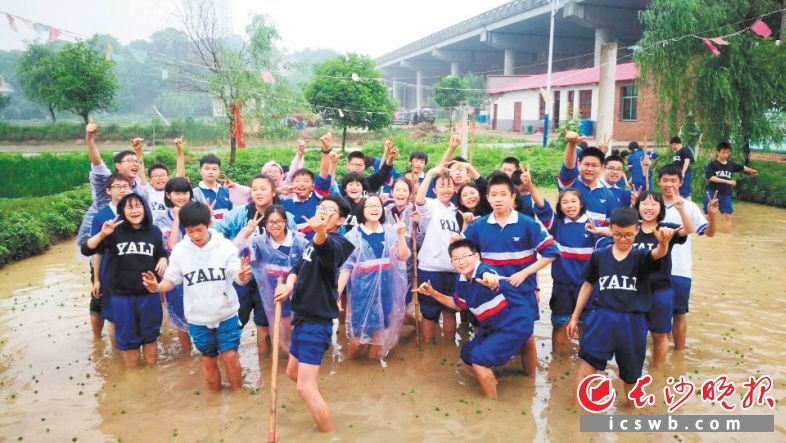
(206, 264)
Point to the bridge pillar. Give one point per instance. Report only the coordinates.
(454, 69)
(510, 62)
(602, 35)
(418, 89)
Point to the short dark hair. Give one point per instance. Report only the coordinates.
(463, 243)
(675, 139)
(592, 152)
(277, 209)
(115, 178)
(583, 144)
(343, 206)
(499, 178)
(459, 158)
(512, 160)
(193, 214)
(177, 184)
(670, 169)
(655, 196)
(515, 178)
(156, 165)
(624, 154)
(120, 156)
(582, 208)
(302, 171)
(263, 176)
(420, 155)
(723, 145)
(634, 145)
(209, 159)
(352, 177)
(624, 217)
(362, 205)
(613, 158)
(147, 219)
(356, 154)
(404, 180)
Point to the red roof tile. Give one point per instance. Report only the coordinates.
(573, 77)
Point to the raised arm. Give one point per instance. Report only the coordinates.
(571, 140)
(420, 197)
(455, 140)
(324, 162)
(136, 144)
(180, 165)
(687, 223)
(90, 141)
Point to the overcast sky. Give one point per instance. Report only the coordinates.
(369, 27)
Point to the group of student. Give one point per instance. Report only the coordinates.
(219, 254)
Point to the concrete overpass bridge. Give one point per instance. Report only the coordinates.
(512, 39)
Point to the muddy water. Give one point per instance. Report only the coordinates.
(57, 384)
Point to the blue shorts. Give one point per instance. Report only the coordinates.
(309, 341)
(250, 300)
(681, 287)
(563, 303)
(137, 320)
(212, 341)
(622, 335)
(492, 348)
(685, 188)
(443, 282)
(659, 317)
(174, 309)
(724, 203)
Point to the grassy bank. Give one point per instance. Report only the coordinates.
(28, 226)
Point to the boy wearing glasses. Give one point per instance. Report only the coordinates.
(618, 326)
(505, 315)
(613, 172)
(511, 242)
(313, 286)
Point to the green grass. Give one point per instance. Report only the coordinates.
(28, 226)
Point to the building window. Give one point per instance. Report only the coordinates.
(629, 96)
(585, 103)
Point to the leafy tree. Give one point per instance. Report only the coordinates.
(359, 102)
(449, 92)
(83, 79)
(477, 95)
(34, 72)
(733, 96)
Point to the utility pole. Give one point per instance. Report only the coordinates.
(547, 99)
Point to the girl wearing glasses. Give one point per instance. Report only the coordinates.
(273, 254)
(375, 277)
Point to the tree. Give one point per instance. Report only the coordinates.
(477, 94)
(449, 92)
(4, 101)
(83, 79)
(228, 67)
(34, 72)
(732, 96)
(348, 90)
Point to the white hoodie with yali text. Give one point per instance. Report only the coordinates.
(207, 274)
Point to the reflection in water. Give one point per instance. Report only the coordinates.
(57, 384)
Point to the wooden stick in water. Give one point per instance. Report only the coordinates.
(415, 299)
(271, 430)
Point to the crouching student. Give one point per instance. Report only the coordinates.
(618, 326)
(134, 247)
(312, 284)
(207, 264)
(506, 316)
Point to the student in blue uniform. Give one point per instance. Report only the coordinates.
(117, 187)
(312, 284)
(618, 326)
(375, 277)
(511, 241)
(177, 193)
(719, 174)
(308, 190)
(134, 247)
(575, 248)
(599, 201)
(636, 161)
(506, 314)
(273, 254)
(683, 159)
(614, 179)
(209, 191)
